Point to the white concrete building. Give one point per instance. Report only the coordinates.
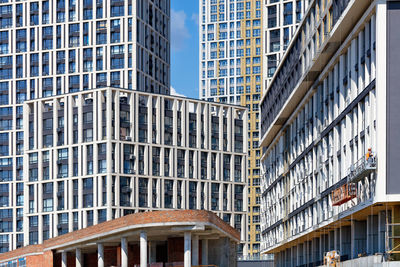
(54, 47)
(100, 154)
(329, 129)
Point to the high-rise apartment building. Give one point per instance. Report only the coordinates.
(329, 132)
(237, 39)
(280, 20)
(100, 154)
(49, 48)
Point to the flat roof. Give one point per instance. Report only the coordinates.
(137, 92)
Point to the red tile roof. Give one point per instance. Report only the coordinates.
(154, 217)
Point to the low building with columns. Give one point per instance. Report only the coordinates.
(159, 238)
(101, 154)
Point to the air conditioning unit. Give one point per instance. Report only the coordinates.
(131, 157)
(128, 138)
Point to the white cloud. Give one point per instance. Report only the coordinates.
(175, 93)
(195, 18)
(179, 31)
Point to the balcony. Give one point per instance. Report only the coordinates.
(362, 168)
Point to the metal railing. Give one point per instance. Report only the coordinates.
(361, 168)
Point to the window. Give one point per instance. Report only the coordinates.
(88, 117)
(47, 204)
(33, 158)
(117, 11)
(88, 135)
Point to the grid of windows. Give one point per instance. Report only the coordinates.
(131, 162)
(49, 48)
(325, 139)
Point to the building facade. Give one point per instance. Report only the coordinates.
(330, 137)
(96, 155)
(237, 38)
(280, 20)
(55, 47)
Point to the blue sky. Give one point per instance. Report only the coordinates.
(185, 47)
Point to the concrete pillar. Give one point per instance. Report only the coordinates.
(358, 238)
(309, 252)
(124, 252)
(372, 234)
(381, 231)
(293, 257)
(395, 231)
(204, 252)
(337, 239)
(64, 259)
(100, 255)
(188, 249)
(345, 243)
(143, 249)
(153, 252)
(298, 252)
(79, 259)
(195, 250)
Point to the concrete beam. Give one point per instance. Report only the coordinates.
(189, 228)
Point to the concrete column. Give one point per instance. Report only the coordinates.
(345, 242)
(358, 237)
(395, 231)
(369, 235)
(153, 252)
(143, 249)
(100, 255)
(188, 249)
(195, 248)
(79, 259)
(64, 259)
(204, 252)
(381, 231)
(124, 252)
